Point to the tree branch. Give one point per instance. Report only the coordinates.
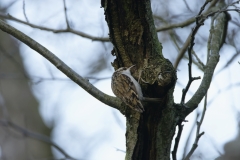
(200, 64)
(185, 23)
(198, 134)
(217, 33)
(24, 11)
(199, 23)
(67, 30)
(189, 137)
(65, 13)
(84, 83)
(187, 42)
(177, 139)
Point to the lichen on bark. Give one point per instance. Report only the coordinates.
(135, 41)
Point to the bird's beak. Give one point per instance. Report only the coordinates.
(131, 66)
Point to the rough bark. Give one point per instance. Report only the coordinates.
(135, 41)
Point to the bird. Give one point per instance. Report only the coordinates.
(125, 87)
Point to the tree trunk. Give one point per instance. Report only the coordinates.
(132, 32)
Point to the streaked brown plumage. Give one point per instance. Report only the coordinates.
(125, 87)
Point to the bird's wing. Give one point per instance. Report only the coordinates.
(124, 88)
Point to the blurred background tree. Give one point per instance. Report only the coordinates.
(18, 104)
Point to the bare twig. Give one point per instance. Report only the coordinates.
(37, 80)
(24, 11)
(191, 36)
(181, 24)
(182, 51)
(198, 134)
(109, 100)
(203, 16)
(177, 139)
(199, 23)
(175, 25)
(187, 22)
(68, 30)
(119, 150)
(198, 59)
(190, 78)
(175, 38)
(217, 34)
(189, 136)
(186, 4)
(65, 13)
(37, 136)
(194, 62)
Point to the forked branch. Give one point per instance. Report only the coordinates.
(216, 42)
(199, 23)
